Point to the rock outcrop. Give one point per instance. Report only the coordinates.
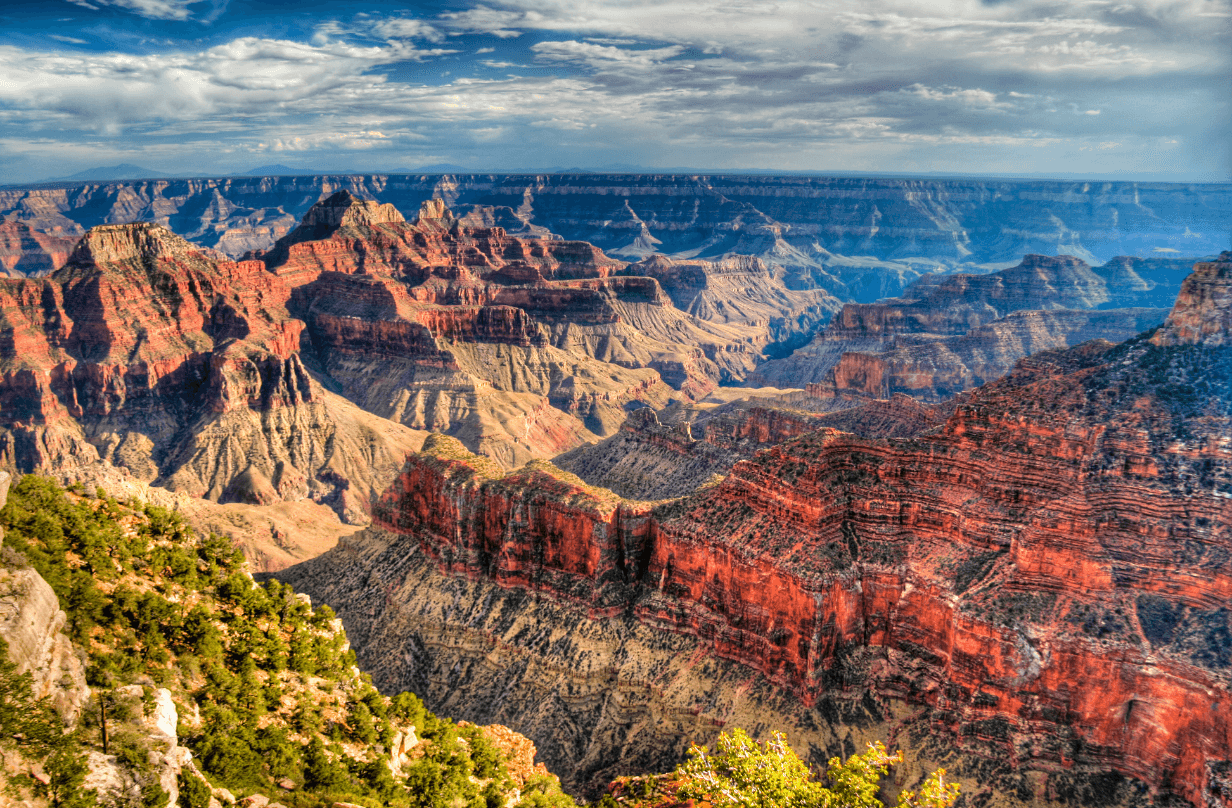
(1203, 310)
(1036, 590)
(951, 333)
(32, 623)
(183, 369)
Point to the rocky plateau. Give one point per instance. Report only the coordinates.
(862, 239)
(946, 334)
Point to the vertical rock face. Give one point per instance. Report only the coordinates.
(1043, 581)
(32, 623)
(538, 527)
(1203, 310)
(182, 368)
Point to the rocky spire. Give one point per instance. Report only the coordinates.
(1203, 310)
(433, 213)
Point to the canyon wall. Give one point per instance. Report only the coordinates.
(951, 333)
(1040, 585)
(861, 238)
(180, 368)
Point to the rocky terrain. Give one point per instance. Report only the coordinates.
(951, 333)
(862, 239)
(28, 251)
(1034, 593)
(237, 694)
(523, 347)
(305, 374)
(182, 369)
(651, 459)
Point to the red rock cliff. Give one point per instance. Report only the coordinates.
(1048, 573)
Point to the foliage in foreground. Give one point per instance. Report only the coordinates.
(742, 773)
(278, 697)
(264, 686)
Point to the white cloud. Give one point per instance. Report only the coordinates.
(406, 28)
(601, 56)
(495, 22)
(352, 141)
(685, 81)
(154, 9)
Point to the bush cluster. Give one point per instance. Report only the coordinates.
(277, 695)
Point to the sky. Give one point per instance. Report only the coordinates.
(1101, 88)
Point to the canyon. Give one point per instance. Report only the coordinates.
(620, 477)
(860, 238)
(950, 333)
(1033, 593)
(307, 373)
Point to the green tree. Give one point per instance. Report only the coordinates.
(742, 773)
(194, 793)
(321, 773)
(67, 770)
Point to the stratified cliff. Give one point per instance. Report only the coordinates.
(182, 368)
(861, 238)
(951, 333)
(521, 346)
(651, 460)
(1036, 592)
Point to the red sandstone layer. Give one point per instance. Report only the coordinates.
(1048, 572)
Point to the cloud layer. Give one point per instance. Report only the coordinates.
(1018, 86)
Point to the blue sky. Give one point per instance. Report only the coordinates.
(1132, 88)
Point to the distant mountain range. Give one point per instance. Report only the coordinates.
(128, 171)
(124, 171)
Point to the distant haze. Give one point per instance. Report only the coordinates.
(1117, 90)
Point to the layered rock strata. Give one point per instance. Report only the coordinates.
(947, 334)
(651, 460)
(309, 371)
(183, 369)
(1042, 583)
(861, 238)
(25, 250)
(522, 347)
